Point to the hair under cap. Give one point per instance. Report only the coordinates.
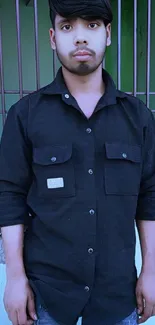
(81, 8)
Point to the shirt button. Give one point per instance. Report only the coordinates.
(124, 155)
(53, 159)
(90, 251)
(88, 130)
(90, 171)
(87, 289)
(66, 96)
(92, 212)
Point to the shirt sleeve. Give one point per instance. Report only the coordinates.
(15, 169)
(146, 200)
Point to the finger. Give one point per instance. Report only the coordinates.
(22, 316)
(147, 313)
(31, 307)
(30, 322)
(13, 318)
(153, 312)
(140, 303)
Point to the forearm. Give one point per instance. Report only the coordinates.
(146, 231)
(13, 247)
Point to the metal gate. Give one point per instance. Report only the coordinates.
(128, 28)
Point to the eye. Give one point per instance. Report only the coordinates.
(66, 27)
(93, 25)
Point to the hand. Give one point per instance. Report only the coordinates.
(19, 301)
(145, 293)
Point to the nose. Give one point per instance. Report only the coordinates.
(80, 38)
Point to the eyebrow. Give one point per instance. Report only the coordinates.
(63, 20)
(69, 19)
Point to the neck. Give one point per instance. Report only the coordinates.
(92, 83)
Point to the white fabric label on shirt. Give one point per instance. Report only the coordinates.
(55, 182)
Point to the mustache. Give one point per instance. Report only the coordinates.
(82, 48)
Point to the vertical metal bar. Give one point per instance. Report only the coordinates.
(19, 49)
(36, 43)
(135, 51)
(119, 45)
(2, 78)
(104, 63)
(148, 52)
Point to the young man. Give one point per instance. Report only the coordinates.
(77, 168)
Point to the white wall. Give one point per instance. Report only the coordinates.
(3, 316)
(151, 321)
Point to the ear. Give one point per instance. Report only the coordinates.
(52, 38)
(108, 30)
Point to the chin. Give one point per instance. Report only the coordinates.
(83, 69)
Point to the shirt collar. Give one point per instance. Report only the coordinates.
(58, 86)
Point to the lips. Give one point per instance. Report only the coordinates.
(82, 53)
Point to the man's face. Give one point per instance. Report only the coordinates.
(80, 44)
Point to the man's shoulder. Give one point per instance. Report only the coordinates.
(135, 106)
(29, 101)
(131, 99)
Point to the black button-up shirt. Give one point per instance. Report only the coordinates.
(79, 184)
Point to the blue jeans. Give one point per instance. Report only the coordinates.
(45, 319)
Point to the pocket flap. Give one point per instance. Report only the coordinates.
(123, 151)
(52, 155)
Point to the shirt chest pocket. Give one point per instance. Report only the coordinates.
(122, 169)
(54, 171)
